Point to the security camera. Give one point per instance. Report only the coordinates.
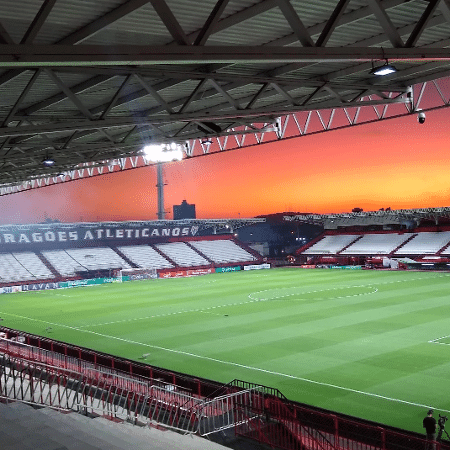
(421, 117)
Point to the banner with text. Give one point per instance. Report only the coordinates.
(87, 282)
(257, 266)
(228, 269)
(12, 237)
(184, 273)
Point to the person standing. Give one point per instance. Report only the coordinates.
(430, 425)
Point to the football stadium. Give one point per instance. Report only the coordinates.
(293, 330)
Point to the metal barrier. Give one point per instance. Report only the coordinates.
(113, 396)
(68, 377)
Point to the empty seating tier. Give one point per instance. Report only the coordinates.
(69, 262)
(22, 266)
(331, 244)
(182, 254)
(425, 243)
(145, 256)
(222, 251)
(377, 244)
(34, 265)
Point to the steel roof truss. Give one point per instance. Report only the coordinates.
(257, 96)
(5, 38)
(69, 94)
(439, 91)
(115, 97)
(211, 22)
(386, 23)
(80, 87)
(234, 103)
(171, 23)
(75, 100)
(192, 96)
(422, 23)
(23, 94)
(444, 7)
(295, 23)
(419, 98)
(102, 22)
(38, 21)
(283, 92)
(154, 93)
(332, 23)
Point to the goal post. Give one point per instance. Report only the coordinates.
(149, 273)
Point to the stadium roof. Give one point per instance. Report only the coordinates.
(386, 217)
(88, 84)
(218, 225)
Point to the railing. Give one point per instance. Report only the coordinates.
(117, 397)
(68, 377)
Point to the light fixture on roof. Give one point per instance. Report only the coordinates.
(385, 69)
(48, 161)
(163, 152)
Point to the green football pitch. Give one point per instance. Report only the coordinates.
(371, 344)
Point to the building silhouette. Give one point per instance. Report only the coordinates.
(183, 211)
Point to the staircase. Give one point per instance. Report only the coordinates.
(123, 256)
(347, 246)
(48, 265)
(199, 252)
(402, 244)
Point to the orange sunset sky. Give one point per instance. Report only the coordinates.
(396, 163)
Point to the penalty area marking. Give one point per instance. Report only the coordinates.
(281, 297)
(435, 341)
(230, 363)
(343, 287)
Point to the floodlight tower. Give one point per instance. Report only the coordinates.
(160, 186)
(160, 154)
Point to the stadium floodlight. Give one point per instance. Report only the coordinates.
(48, 162)
(163, 152)
(385, 69)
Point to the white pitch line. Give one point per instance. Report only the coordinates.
(349, 287)
(230, 363)
(435, 341)
(253, 300)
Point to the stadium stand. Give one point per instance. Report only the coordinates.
(64, 264)
(11, 269)
(145, 256)
(377, 244)
(222, 251)
(97, 258)
(69, 262)
(425, 243)
(22, 266)
(34, 265)
(332, 244)
(446, 251)
(182, 254)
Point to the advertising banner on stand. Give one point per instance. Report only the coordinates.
(257, 266)
(185, 273)
(228, 269)
(40, 286)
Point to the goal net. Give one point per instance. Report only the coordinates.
(137, 274)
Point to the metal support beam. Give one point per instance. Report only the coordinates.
(32, 56)
(38, 21)
(211, 22)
